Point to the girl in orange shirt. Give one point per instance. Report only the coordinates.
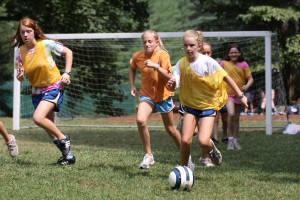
(155, 69)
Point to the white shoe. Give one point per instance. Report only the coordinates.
(230, 144)
(147, 161)
(12, 146)
(215, 155)
(206, 162)
(191, 164)
(237, 145)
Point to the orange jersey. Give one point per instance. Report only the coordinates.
(152, 85)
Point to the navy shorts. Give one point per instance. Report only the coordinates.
(200, 113)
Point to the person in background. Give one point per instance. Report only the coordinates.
(202, 78)
(263, 102)
(237, 68)
(250, 96)
(34, 58)
(155, 68)
(10, 141)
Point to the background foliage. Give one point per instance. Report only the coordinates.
(91, 16)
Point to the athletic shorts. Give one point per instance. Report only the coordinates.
(200, 113)
(223, 110)
(235, 99)
(181, 109)
(54, 96)
(164, 106)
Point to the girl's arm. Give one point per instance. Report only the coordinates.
(248, 84)
(132, 74)
(237, 90)
(68, 54)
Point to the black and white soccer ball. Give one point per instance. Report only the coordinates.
(181, 178)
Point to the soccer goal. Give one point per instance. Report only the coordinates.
(99, 93)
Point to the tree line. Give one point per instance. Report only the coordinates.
(110, 16)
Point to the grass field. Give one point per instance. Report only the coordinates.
(268, 167)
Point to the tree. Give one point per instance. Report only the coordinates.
(285, 22)
(84, 16)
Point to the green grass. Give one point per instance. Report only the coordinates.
(268, 167)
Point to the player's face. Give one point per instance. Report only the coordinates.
(27, 34)
(191, 47)
(234, 54)
(206, 50)
(149, 43)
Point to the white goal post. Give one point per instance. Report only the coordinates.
(266, 35)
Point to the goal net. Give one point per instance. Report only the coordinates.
(99, 93)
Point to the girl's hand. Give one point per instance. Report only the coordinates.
(133, 91)
(244, 88)
(20, 72)
(65, 78)
(151, 64)
(244, 101)
(172, 83)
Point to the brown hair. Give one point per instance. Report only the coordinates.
(16, 40)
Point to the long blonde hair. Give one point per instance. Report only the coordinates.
(16, 40)
(156, 36)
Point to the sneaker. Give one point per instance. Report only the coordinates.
(230, 145)
(12, 146)
(225, 140)
(215, 155)
(66, 161)
(191, 164)
(215, 141)
(147, 161)
(206, 162)
(237, 145)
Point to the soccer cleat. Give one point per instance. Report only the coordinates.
(230, 145)
(225, 140)
(147, 161)
(12, 146)
(191, 164)
(206, 162)
(215, 155)
(237, 145)
(66, 161)
(215, 141)
(65, 146)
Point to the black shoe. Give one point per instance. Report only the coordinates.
(64, 161)
(225, 140)
(64, 146)
(215, 141)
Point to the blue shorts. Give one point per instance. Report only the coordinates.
(164, 106)
(54, 96)
(200, 113)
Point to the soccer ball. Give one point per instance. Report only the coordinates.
(181, 178)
